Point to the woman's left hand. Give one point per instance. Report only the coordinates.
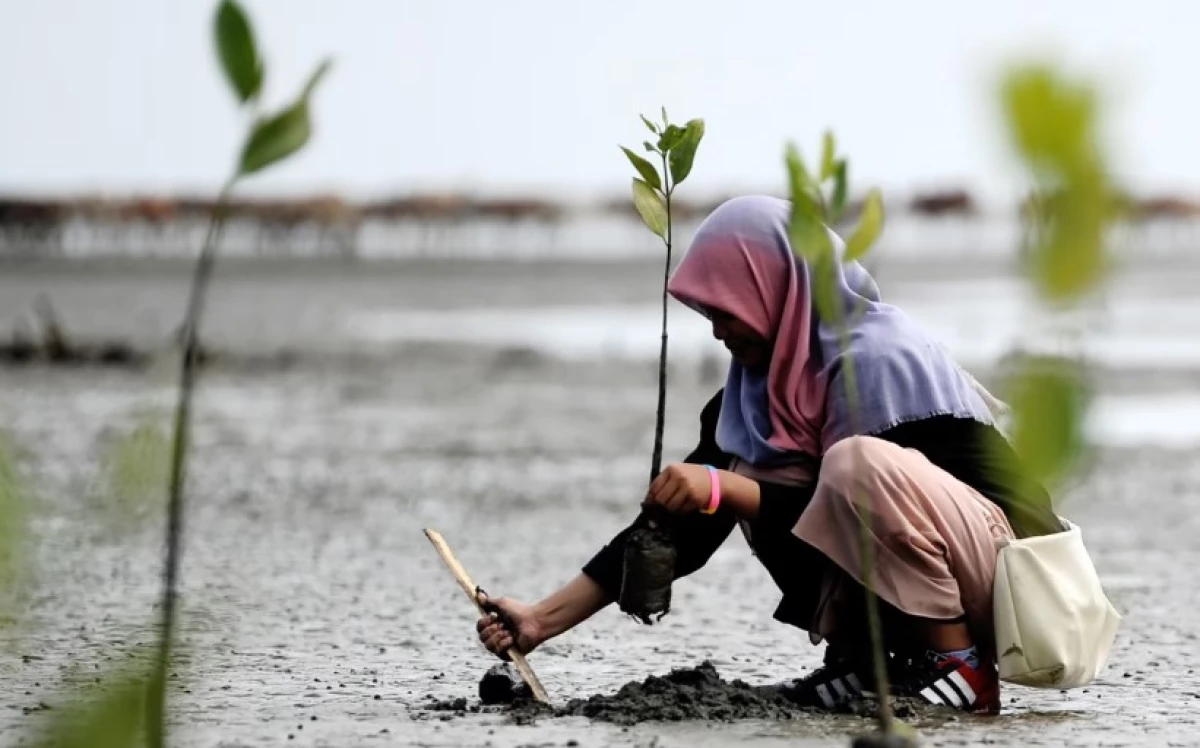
(680, 488)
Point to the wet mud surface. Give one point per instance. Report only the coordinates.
(314, 608)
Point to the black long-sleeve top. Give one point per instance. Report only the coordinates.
(972, 452)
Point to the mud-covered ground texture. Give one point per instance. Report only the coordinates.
(314, 611)
(314, 607)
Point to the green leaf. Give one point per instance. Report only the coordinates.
(809, 237)
(644, 167)
(1049, 401)
(797, 173)
(649, 125)
(806, 229)
(801, 186)
(651, 207)
(837, 204)
(670, 138)
(650, 147)
(237, 51)
(665, 118)
(109, 714)
(870, 226)
(827, 155)
(683, 155)
(275, 138)
(1072, 258)
(1051, 120)
(1052, 123)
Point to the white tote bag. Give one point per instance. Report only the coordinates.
(1054, 625)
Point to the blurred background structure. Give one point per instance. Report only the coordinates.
(486, 130)
(444, 312)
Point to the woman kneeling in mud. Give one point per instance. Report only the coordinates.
(782, 455)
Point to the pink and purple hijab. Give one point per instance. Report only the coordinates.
(741, 262)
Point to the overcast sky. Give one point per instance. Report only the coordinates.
(124, 95)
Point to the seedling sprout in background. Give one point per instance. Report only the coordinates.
(1052, 124)
(818, 201)
(130, 710)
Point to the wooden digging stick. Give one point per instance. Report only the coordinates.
(464, 581)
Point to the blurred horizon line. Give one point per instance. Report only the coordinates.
(950, 198)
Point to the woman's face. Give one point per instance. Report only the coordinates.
(746, 346)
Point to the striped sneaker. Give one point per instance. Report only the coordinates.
(830, 686)
(948, 681)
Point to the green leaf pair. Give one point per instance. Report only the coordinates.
(811, 215)
(811, 212)
(678, 143)
(1052, 124)
(275, 137)
(677, 146)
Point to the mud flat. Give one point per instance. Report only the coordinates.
(311, 597)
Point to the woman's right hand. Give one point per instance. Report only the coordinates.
(524, 629)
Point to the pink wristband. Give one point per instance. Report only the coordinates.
(714, 491)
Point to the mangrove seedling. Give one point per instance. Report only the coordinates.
(650, 552)
(1052, 125)
(817, 202)
(270, 139)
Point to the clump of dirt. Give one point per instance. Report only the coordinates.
(685, 694)
(648, 573)
(458, 705)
